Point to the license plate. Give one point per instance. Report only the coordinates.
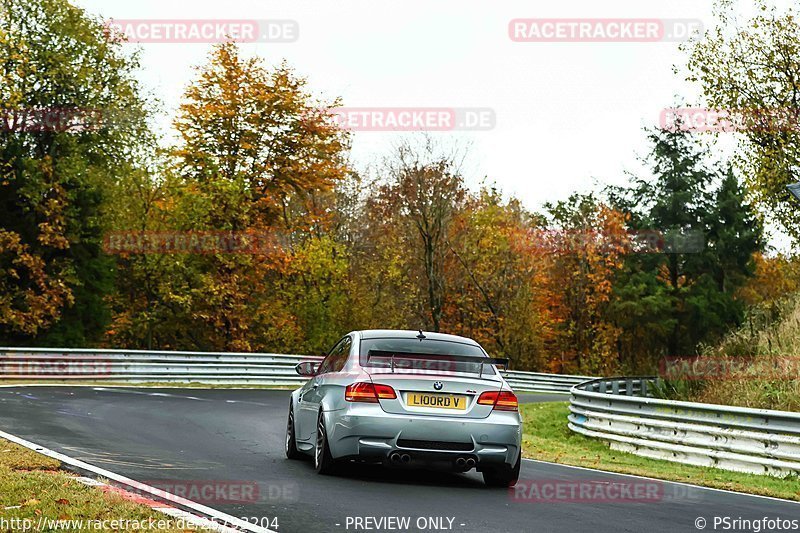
(438, 401)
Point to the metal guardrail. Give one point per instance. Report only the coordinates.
(538, 382)
(622, 412)
(138, 366)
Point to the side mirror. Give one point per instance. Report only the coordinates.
(307, 368)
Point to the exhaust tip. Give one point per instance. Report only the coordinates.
(461, 462)
(394, 457)
(405, 458)
(470, 462)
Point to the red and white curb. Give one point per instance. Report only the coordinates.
(205, 517)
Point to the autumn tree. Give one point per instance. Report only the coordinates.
(257, 153)
(587, 240)
(751, 69)
(151, 304)
(774, 277)
(383, 262)
(498, 285)
(72, 125)
(422, 194)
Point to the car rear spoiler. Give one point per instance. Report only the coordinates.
(476, 359)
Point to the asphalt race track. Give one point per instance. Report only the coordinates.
(229, 443)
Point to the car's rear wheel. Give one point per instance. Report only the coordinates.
(323, 460)
(503, 476)
(291, 444)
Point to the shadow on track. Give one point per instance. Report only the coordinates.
(375, 473)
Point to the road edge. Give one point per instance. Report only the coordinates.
(204, 513)
(715, 489)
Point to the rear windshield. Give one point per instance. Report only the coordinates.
(376, 353)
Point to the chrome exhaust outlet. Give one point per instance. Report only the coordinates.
(394, 457)
(470, 463)
(405, 458)
(461, 462)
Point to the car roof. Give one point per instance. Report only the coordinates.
(412, 334)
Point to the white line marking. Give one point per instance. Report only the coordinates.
(124, 389)
(664, 481)
(141, 393)
(137, 486)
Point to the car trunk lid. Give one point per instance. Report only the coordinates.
(436, 386)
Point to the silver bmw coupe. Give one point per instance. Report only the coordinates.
(407, 399)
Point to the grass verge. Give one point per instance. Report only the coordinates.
(754, 366)
(547, 438)
(32, 487)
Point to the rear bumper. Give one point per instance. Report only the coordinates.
(366, 432)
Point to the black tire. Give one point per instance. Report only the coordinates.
(291, 443)
(323, 460)
(504, 476)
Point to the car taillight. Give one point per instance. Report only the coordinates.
(368, 392)
(500, 400)
(385, 392)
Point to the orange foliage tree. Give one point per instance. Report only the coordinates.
(589, 243)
